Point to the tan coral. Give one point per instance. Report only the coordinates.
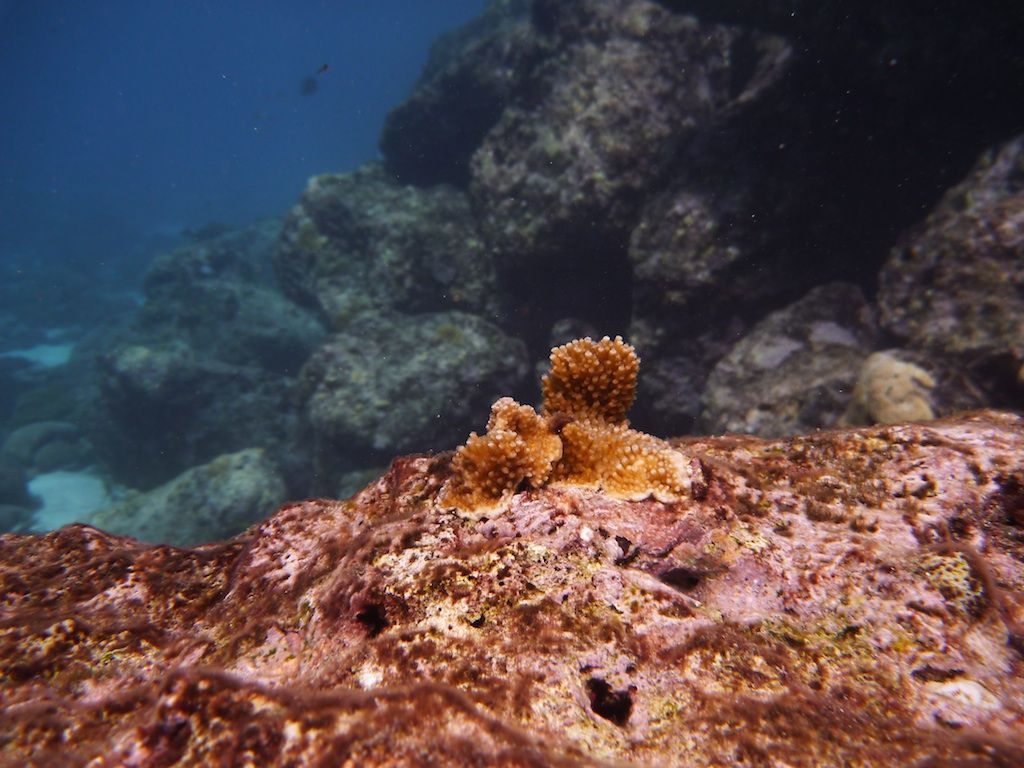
(542, 447)
(889, 391)
(518, 448)
(623, 462)
(486, 469)
(584, 440)
(592, 379)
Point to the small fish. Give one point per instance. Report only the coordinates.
(322, 68)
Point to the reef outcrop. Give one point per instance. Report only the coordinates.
(845, 597)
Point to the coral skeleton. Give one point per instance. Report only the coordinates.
(582, 439)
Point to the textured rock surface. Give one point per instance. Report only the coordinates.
(44, 446)
(564, 167)
(206, 503)
(956, 286)
(796, 369)
(359, 242)
(13, 483)
(200, 407)
(216, 295)
(206, 363)
(395, 383)
(471, 73)
(844, 598)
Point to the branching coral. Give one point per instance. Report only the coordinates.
(518, 449)
(592, 379)
(582, 439)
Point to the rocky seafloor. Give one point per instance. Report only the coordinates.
(848, 597)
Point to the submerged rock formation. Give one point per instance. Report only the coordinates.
(849, 597)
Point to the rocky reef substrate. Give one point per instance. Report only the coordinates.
(844, 597)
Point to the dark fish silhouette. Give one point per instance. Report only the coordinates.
(309, 85)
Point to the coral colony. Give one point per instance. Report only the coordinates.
(582, 439)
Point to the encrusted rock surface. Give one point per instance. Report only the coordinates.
(956, 286)
(359, 242)
(796, 369)
(396, 383)
(201, 407)
(206, 362)
(209, 502)
(566, 163)
(471, 73)
(850, 597)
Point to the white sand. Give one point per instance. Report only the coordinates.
(68, 497)
(43, 355)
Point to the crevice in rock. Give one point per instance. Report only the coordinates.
(614, 706)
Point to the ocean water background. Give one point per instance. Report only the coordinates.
(254, 251)
(125, 122)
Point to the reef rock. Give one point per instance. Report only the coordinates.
(206, 362)
(202, 407)
(566, 163)
(470, 75)
(206, 503)
(218, 296)
(359, 242)
(795, 370)
(848, 597)
(954, 286)
(396, 383)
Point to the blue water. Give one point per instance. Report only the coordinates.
(123, 122)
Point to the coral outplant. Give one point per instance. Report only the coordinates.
(582, 438)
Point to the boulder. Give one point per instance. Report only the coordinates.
(205, 503)
(398, 383)
(360, 242)
(953, 287)
(796, 369)
(845, 597)
(470, 75)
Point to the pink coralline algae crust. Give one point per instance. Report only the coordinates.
(843, 598)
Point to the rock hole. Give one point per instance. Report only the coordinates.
(614, 706)
(624, 547)
(372, 617)
(683, 579)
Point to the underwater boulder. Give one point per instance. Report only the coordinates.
(840, 598)
(396, 383)
(14, 484)
(359, 241)
(206, 503)
(953, 286)
(563, 171)
(44, 446)
(795, 370)
(218, 296)
(470, 74)
(199, 407)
